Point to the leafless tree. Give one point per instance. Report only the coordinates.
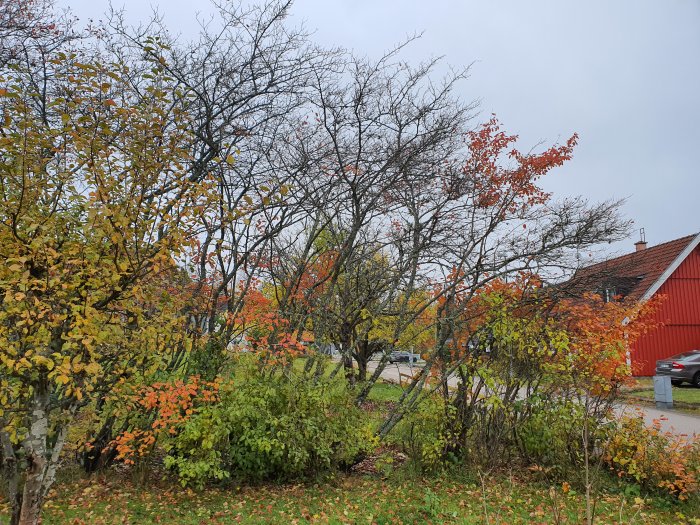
(373, 129)
(30, 29)
(247, 77)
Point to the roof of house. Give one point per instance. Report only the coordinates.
(638, 275)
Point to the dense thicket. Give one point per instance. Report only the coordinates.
(168, 206)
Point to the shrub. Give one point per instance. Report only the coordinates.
(543, 432)
(423, 434)
(549, 435)
(655, 460)
(265, 427)
(153, 414)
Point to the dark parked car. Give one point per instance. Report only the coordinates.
(401, 357)
(682, 368)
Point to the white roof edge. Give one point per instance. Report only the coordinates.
(672, 268)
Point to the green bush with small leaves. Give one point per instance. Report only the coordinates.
(266, 427)
(550, 434)
(422, 434)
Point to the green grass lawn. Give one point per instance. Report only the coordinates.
(384, 392)
(683, 394)
(350, 499)
(644, 388)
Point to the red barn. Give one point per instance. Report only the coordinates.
(671, 269)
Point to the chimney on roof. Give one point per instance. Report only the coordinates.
(641, 244)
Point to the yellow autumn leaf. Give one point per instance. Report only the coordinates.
(40, 360)
(93, 368)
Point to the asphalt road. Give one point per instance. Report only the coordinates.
(671, 420)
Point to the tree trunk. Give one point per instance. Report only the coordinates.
(372, 380)
(35, 452)
(364, 351)
(40, 456)
(10, 473)
(346, 352)
(361, 369)
(32, 495)
(100, 455)
(349, 372)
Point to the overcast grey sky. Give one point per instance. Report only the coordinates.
(625, 75)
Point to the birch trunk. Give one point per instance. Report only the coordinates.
(41, 457)
(36, 456)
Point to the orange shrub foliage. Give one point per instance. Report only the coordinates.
(169, 405)
(655, 459)
(601, 334)
(267, 333)
(479, 310)
(586, 339)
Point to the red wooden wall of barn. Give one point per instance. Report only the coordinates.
(680, 315)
